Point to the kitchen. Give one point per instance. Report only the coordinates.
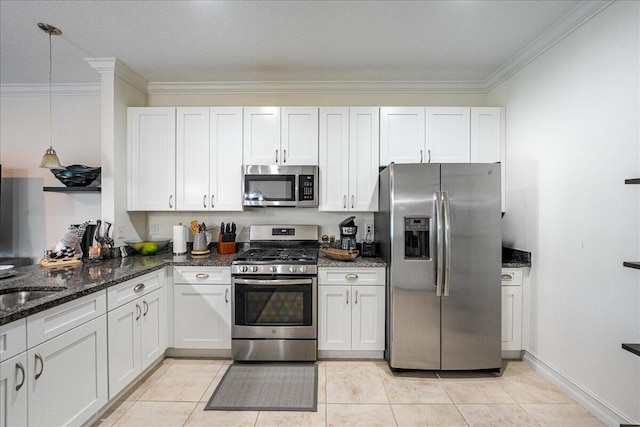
(560, 110)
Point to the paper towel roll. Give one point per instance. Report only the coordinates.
(179, 240)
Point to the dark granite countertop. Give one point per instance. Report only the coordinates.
(90, 277)
(515, 258)
(359, 262)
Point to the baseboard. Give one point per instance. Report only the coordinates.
(198, 353)
(350, 354)
(599, 408)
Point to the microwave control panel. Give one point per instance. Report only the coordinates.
(305, 187)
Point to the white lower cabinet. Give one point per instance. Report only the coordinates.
(13, 391)
(202, 307)
(511, 312)
(137, 331)
(351, 309)
(67, 376)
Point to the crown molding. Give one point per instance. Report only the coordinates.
(193, 88)
(59, 89)
(120, 69)
(580, 14)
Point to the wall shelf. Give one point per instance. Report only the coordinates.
(73, 189)
(632, 181)
(633, 348)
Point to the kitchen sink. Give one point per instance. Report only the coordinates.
(16, 298)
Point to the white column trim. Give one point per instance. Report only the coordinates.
(120, 69)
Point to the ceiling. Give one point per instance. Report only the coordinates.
(275, 41)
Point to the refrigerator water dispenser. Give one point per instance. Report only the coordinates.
(416, 237)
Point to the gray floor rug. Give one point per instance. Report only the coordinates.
(267, 387)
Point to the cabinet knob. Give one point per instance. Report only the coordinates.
(204, 201)
(139, 287)
(351, 276)
(507, 277)
(202, 276)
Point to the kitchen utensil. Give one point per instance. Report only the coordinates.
(195, 227)
(201, 241)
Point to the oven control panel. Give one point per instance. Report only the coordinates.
(273, 269)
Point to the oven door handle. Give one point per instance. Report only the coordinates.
(273, 281)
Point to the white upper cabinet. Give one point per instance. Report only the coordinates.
(225, 159)
(402, 138)
(349, 158)
(334, 158)
(488, 140)
(261, 136)
(192, 158)
(299, 136)
(448, 134)
(209, 159)
(151, 156)
(281, 136)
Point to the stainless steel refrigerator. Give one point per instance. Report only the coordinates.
(439, 232)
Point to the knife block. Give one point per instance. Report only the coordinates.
(226, 247)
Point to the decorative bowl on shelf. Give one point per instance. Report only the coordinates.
(339, 254)
(76, 175)
(147, 247)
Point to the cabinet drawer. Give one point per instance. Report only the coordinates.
(352, 276)
(511, 277)
(57, 320)
(13, 339)
(202, 275)
(134, 288)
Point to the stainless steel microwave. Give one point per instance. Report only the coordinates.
(292, 186)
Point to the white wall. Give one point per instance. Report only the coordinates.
(39, 219)
(572, 139)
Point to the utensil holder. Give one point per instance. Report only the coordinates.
(226, 247)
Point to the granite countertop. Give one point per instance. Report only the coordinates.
(89, 277)
(515, 258)
(359, 262)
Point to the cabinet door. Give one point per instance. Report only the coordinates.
(192, 159)
(13, 403)
(261, 139)
(226, 159)
(448, 134)
(71, 371)
(153, 327)
(151, 159)
(202, 316)
(367, 316)
(364, 158)
(511, 318)
(334, 158)
(488, 140)
(334, 317)
(124, 345)
(402, 137)
(299, 136)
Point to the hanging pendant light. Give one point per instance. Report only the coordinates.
(50, 159)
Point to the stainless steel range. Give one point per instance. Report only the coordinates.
(274, 291)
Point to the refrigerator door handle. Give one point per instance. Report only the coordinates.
(447, 243)
(439, 243)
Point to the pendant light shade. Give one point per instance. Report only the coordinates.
(50, 159)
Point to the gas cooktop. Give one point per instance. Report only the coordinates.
(289, 255)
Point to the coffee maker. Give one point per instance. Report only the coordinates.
(348, 231)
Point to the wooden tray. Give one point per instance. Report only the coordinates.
(205, 252)
(339, 254)
(57, 263)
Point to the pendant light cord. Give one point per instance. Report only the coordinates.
(50, 103)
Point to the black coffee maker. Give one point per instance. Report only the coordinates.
(348, 231)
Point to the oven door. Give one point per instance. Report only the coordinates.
(274, 307)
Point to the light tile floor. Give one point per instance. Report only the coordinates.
(357, 393)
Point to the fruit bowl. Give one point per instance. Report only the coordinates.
(147, 247)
